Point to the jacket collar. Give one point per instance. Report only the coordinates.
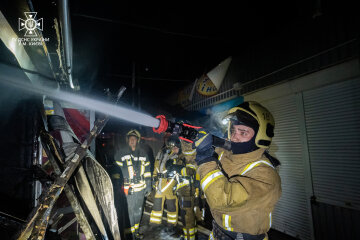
(245, 158)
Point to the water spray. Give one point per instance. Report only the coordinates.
(81, 101)
(159, 124)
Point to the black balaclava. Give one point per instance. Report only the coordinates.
(244, 147)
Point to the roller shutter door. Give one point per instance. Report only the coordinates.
(332, 116)
(292, 212)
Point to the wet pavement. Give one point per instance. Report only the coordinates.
(162, 232)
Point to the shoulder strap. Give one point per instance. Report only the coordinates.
(274, 161)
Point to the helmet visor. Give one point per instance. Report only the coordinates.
(242, 118)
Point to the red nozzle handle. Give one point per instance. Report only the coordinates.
(185, 139)
(191, 126)
(163, 124)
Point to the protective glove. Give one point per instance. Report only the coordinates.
(204, 149)
(198, 214)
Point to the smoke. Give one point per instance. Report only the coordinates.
(214, 124)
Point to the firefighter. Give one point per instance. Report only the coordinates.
(166, 173)
(135, 169)
(188, 192)
(241, 186)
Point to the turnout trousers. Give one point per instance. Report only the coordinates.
(135, 203)
(188, 216)
(168, 198)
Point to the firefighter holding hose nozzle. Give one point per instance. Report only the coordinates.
(242, 184)
(238, 175)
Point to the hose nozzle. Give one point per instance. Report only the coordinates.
(187, 132)
(163, 125)
(184, 131)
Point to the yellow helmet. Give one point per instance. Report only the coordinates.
(135, 133)
(254, 115)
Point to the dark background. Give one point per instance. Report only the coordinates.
(167, 45)
(173, 43)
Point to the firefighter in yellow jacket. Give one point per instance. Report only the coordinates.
(188, 192)
(241, 186)
(135, 170)
(166, 173)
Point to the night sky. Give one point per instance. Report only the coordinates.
(171, 44)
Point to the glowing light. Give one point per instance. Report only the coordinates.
(225, 121)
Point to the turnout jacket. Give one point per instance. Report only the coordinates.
(188, 173)
(163, 163)
(242, 192)
(135, 169)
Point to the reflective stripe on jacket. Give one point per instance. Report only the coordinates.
(135, 168)
(243, 193)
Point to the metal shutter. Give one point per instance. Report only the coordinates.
(332, 116)
(292, 212)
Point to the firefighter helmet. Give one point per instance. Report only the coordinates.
(173, 141)
(253, 115)
(134, 133)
